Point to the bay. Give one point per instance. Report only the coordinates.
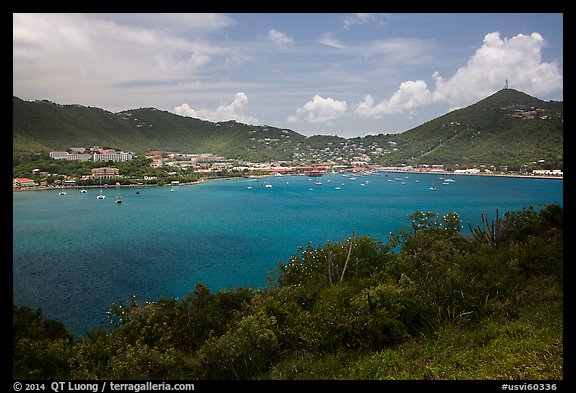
(75, 256)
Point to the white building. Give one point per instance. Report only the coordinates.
(59, 155)
(113, 156)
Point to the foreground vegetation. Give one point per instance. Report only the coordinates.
(431, 303)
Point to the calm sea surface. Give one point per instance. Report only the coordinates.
(75, 256)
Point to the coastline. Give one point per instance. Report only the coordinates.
(550, 177)
(442, 173)
(106, 186)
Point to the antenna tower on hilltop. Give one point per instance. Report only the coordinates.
(506, 85)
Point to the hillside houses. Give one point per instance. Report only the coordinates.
(20, 182)
(353, 152)
(522, 111)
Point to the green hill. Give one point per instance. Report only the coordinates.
(507, 128)
(44, 126)
(166, 131)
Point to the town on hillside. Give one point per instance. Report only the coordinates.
(176, 168)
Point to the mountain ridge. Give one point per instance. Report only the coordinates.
(506, 128)
(498, 130)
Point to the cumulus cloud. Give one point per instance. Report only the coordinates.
(279, 38)
(410, 95)
(320, 110)
(518, 60)
(224, 112)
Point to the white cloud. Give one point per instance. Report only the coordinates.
(410, 95)
(55, 54)
(328, 40)
(39, 36)
(279, 38)
(224, 112)
(518, 60)
(358, 19)
(320, 110)
(173, 22)
(404, 51)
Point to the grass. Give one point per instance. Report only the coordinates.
(526, 346)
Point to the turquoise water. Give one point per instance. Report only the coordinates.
(75, 256)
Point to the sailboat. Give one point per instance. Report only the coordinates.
(101, 196)
(118, 200)
(62, 192)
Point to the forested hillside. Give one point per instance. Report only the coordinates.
(44, 126)
(508, 128)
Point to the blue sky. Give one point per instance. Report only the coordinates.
(319, 73)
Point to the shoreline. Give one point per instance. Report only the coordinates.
(550, 177)
(442, 173)
(108, 186)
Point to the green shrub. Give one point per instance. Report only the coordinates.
(242, 352)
